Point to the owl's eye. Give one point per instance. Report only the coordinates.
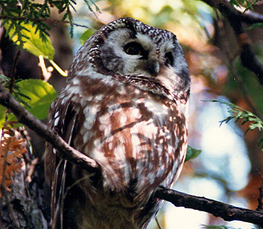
(133, 48)
(169, 59)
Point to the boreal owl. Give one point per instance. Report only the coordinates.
(124, 106)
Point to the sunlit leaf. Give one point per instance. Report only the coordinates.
(31, 41)
(35, 95)
(41, 94)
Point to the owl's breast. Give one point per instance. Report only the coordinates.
(133, 134)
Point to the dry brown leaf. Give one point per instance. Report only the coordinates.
(12, 148)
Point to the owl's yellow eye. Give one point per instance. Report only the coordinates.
(133, 48)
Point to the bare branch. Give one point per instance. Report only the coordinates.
(63, 149)
(216, 208)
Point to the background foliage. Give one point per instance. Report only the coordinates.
(230, 165)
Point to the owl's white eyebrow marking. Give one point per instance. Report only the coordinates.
(145, 40)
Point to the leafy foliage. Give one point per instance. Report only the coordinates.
(31, 42)
(35, 95)
(238, 113)
(15, 15)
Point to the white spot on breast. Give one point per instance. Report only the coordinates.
(99, 156)
(98, 98)
(156, 108)
(105, 119)
(97, 143)
(89, 98)
(66, 88)
(137, 91)
(56, 121)
(86, 135)
(151, 178)
(121, 90)
(110, 145)
(90, 115)
(136, 113)
(56, 114)
(75, 81)
(127, 172)
(135, 142)
(106, 129)
(119, 153)
(123, 120)
(73, 89)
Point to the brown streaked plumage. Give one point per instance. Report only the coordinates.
(124, 106)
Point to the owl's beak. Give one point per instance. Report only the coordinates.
(153, 68)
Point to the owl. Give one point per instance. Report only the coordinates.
(124, 106)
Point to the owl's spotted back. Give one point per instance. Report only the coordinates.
(124, 106)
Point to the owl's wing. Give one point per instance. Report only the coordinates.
(63, 120)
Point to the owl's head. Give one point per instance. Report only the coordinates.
(129, 47)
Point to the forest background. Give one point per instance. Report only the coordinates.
(222, 43)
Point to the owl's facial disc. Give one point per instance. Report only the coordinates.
(129, 52)
(126, 52)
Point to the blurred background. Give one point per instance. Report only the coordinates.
(230, 165)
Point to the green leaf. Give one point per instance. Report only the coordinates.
(86, 35)
(41, 95)
(31, 40)
(33, 94)
(191, 153)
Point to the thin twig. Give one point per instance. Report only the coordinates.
(157, 222)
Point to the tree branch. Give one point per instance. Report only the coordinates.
(235, 18)
(63, 149)
(250, 17)
(216, 208)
